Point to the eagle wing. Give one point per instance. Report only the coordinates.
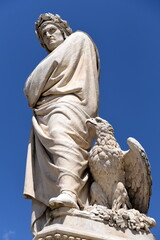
(137, 176)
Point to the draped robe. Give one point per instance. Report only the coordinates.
(63, 92)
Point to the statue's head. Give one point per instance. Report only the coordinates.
(51, 30)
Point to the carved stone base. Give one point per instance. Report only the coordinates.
(78, 228)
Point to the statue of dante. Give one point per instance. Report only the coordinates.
(62, 92)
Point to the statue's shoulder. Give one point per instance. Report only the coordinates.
(80, 35)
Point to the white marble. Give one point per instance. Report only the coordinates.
(57, 92)
(122, 178)
(77, 228)
(63, 93)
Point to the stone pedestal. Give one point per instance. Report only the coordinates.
(78, 228)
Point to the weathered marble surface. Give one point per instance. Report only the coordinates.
(62, 92)
(77, 228)
(122, 179)
(57, 92)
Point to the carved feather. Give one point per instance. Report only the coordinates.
(137, 175)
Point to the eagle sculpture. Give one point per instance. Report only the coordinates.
(122, 179)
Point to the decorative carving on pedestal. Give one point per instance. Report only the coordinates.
(77, 225)
(79, 192)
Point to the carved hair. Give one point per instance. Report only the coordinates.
(56, 20)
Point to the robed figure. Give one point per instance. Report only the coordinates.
(63, 93)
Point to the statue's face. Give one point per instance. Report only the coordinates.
(52, 36)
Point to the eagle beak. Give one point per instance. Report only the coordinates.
(91, 121)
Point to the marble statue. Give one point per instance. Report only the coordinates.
(63, 93)
(79, 191)
(122, 178)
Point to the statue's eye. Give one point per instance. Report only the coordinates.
(52, 30)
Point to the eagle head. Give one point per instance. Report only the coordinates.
(99, 125)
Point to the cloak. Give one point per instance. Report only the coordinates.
(63, 92)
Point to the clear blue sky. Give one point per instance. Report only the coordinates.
(127, 34)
